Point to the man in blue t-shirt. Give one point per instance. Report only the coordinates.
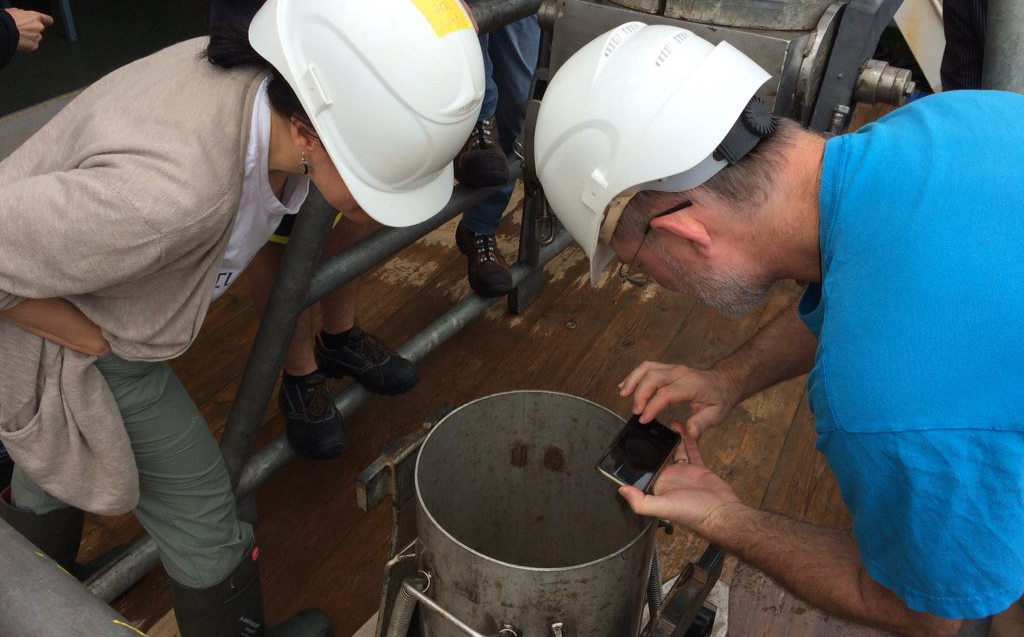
(911, 234)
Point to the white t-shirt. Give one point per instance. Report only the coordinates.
(259, 210)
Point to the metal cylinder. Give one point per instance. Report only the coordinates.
(517, 527)
(1004, 46)
(783, 15)
(39, 598)
(879, 83)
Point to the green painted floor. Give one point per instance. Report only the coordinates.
(111, 33)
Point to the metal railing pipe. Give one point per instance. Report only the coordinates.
(301, 256)
(1004, 46)
(41, 599)
(357, 259)
(275, 453)
(142, 555)
(494, 14)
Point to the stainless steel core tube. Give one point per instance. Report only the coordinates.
(517, 528)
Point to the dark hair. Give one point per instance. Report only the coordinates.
(229, 48)
(744, 186)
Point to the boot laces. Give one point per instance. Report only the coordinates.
(373, 348)
(319, 401)
(486, 246)
(482, 134)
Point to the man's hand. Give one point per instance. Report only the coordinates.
(655, 386)
(686, 493)
(30, 27)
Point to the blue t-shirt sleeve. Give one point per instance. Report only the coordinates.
(938, 515)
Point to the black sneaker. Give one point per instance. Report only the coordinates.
(312, 423)
(367, 359)
(489, 274)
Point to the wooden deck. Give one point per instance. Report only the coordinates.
(319, 549)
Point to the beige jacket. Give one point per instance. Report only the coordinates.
(122, 204)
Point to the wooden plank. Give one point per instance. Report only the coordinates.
(802, 486)
(745, 447)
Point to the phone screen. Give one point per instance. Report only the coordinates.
(638, 453)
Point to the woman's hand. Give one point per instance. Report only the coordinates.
(58, 321)
(655, 386)
(686, 492)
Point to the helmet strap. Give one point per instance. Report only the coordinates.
(754, 124)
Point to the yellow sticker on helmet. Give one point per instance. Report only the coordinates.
(444, 16)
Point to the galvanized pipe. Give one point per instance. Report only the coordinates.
(1004, 46)
(301, 256)
(275, 453)
(494, 14)
(355, 260)
(39, 598)
(142, 555)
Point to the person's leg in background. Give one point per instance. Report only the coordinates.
(185, 504)
(510, 55)
(312, 423)
(963, 22)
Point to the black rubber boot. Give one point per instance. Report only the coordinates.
(57, 534)
(234, 608)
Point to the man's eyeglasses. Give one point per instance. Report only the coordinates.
(632, 272)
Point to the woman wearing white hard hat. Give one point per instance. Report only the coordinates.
(152, 188)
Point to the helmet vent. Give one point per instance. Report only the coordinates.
(619, 36)
(669, 47)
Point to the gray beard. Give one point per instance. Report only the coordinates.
(729, 293)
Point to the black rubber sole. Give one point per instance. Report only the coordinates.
(483, 179)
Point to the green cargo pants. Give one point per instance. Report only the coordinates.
(185, 499)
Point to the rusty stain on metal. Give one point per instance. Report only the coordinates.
(520, 454)
(554, 459)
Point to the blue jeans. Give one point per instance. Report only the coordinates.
(510, 57)
(233, 12)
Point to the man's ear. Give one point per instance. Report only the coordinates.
(685, 226)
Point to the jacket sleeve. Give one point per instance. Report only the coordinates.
(9, 37)
(71, 232)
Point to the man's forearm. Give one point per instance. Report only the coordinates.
(782, 349)
(819, 565)
(59, 321)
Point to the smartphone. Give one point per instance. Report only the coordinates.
(638, 453)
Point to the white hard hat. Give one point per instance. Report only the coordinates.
(640, 108)
(393, 88)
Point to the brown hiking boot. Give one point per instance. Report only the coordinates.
(489, 275)
(481, 162)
